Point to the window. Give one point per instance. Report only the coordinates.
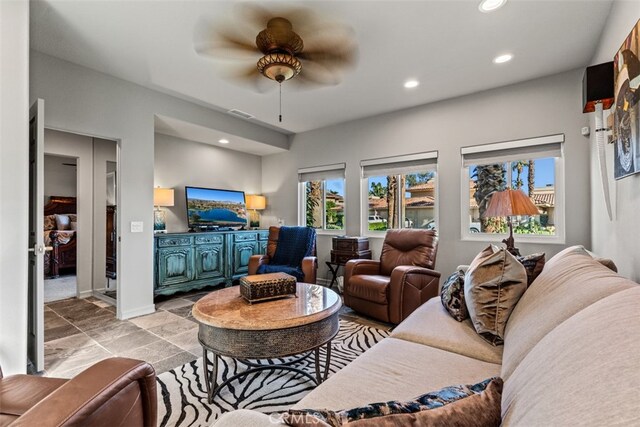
(322, 197)
(399, 192)
(534, 166)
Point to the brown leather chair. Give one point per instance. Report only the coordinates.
(392, 288)
(309, 264)
(113, 392)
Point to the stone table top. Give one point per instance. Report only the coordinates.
(226, 308)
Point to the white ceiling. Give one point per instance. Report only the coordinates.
(448, 45)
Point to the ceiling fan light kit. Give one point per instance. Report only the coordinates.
(279, 66)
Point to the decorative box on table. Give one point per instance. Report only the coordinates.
(349, 247)
(261, 287)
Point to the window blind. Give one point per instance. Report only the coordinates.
(400, 165)
(523, 149)
(320, 173)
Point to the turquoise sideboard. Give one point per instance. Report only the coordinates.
(186, 261)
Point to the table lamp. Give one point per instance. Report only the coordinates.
(161, 197)
(509, 203)
(255, 203)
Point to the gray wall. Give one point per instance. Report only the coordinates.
(14, 182)
(59, 179)
(180, 163)
(618, 239)
(88, 102)
(540, 107)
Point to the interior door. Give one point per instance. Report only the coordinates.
(35, 337)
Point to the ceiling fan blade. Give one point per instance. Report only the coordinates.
(330, 57)
(315, 73)
(223, 42)
(257, 16)
(249, 75)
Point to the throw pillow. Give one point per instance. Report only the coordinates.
(49, 222)
(63, 222)
(477, 405)
(493, 285)
(74, 225)
(533, 264)
(452, 296)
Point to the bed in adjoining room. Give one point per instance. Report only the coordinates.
(60, 221)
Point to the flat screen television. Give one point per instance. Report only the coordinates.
(211, 208)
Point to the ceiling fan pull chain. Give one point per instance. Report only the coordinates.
(280, 116)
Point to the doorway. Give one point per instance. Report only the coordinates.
(60, 225)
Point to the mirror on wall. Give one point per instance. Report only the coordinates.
(105, 213)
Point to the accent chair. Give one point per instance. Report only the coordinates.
(308, 265)
(113, 392)
(392, 288)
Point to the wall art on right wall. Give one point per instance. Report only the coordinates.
(626, 69)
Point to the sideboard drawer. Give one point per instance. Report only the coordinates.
(263, 235)
(209, 238)
(245, 237)
(166, 242)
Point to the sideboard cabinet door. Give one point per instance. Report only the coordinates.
(175, 265)
(240, 254)
(209, 261)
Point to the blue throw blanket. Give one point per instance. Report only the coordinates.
(294, 243)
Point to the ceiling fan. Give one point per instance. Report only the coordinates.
(288, 45)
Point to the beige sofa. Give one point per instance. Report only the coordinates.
(571, 354)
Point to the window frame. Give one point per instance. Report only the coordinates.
(364, 188)
(302, 196)
(559, 187)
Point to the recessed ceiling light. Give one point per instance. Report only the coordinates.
(502, 58)
(409, 84)
(223, 141)
(491, 5)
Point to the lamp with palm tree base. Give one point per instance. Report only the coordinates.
(508, 203)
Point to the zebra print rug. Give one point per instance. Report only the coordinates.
(182, 396)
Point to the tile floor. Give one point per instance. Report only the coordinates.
(81, 332)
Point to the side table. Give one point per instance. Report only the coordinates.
(333, 268)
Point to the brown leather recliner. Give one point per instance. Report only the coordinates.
(392, 288)
(113, 392)
(309, 264)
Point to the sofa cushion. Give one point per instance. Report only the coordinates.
(431, 325)
(477, 404)
(586, 371)
(395, 369)
(493, 284)
(369, 287)
(570, 281)
(452, 296)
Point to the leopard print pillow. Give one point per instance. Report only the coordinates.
(452, 296)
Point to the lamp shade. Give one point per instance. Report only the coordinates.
(163, 196)
(509, 203)
(597, 86)
(256, 202)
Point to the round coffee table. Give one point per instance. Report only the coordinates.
(230, 326)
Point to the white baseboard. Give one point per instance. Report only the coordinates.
(138, 312)
(323, 282)
(85, 294)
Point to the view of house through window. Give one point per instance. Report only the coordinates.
(401, 201)
(324, 204)
(536, 178)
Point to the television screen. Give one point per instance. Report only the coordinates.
(208, 207)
